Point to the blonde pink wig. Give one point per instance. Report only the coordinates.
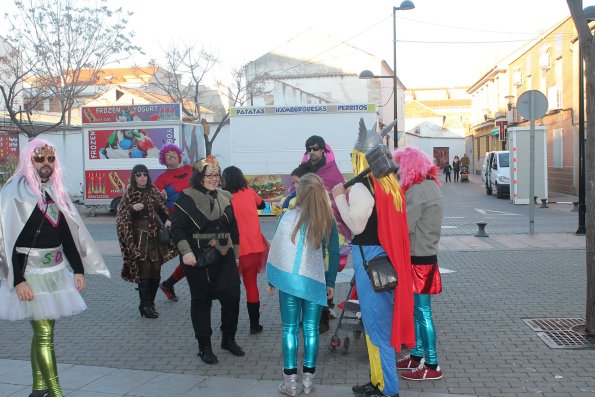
(414, 167)
(27, 170)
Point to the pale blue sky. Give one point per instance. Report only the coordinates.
(439, 43)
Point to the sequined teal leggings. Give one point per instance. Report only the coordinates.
(43, 359)
(291, 308)
(425, 333)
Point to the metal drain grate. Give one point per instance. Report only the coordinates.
(553, 324)
(560, 333)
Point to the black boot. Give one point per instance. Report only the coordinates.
(205, 351)
(228, 342)
(168, 289)
(145, 308)
(154, 286)
(324, 320)
(254, 314)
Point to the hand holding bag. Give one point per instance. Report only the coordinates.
(163, 233)
(381, 272)
(209, 256)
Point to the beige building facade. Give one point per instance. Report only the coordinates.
(549, 64)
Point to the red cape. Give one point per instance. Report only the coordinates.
(393, 234)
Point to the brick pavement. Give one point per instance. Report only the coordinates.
(484, 346)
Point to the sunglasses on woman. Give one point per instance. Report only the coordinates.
(41, 159)
(139, 174)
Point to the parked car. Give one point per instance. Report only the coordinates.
(495, 173)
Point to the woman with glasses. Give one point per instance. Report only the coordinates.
(139, 214)
(205, 230)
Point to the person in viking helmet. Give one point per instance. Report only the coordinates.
(42, 237)
(375, 213)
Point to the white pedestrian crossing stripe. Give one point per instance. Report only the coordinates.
(492, 212)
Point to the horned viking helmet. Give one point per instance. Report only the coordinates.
(366, 140)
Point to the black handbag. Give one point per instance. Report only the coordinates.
(381, 272)
(163, 233)
(209, 256)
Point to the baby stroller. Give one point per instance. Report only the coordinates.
(464, 174)
(349, 311)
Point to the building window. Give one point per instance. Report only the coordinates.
(517, 77)
(558, 46)
(544, 57)
(554, 98)
(478, 150)
(558, 148)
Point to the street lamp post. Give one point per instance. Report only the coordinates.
(405, 5)
(582, 229)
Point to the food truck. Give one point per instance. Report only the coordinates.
(115, 138)
(265, 142)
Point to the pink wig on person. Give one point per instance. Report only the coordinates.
(26, 170)
(168, 147)
(414, 167)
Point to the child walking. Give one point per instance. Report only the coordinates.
(447, 170)
(305, 278)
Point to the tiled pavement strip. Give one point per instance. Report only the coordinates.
(485, 349)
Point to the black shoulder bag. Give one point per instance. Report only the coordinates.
(381, 272)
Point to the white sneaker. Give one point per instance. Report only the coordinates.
(308, 382)
(289, 385)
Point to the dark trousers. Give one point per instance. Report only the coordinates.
(222, 285)
(456, 175)
(447, 177)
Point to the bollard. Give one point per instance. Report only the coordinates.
(534, 199)
(544, 203)
(575, 206)
(481, 232)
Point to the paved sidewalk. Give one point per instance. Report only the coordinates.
(90, 381)
(485, 349)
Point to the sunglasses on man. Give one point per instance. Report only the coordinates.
(41, 159)
(312, 149)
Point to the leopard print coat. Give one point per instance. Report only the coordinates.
(132, 254)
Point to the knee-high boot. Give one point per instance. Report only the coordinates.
(153, 293)
(254, 314)
(144, 294)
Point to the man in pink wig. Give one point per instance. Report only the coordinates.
(42, 237)
(172, 181)
(419, 179)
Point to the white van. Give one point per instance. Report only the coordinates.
(495, 173)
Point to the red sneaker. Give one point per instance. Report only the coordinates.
(423, 373)
(407, 363)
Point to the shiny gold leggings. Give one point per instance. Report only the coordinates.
(43, 360)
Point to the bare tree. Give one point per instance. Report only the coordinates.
(180, 79)
(181, 75)
(587, 44)
(53, 43)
